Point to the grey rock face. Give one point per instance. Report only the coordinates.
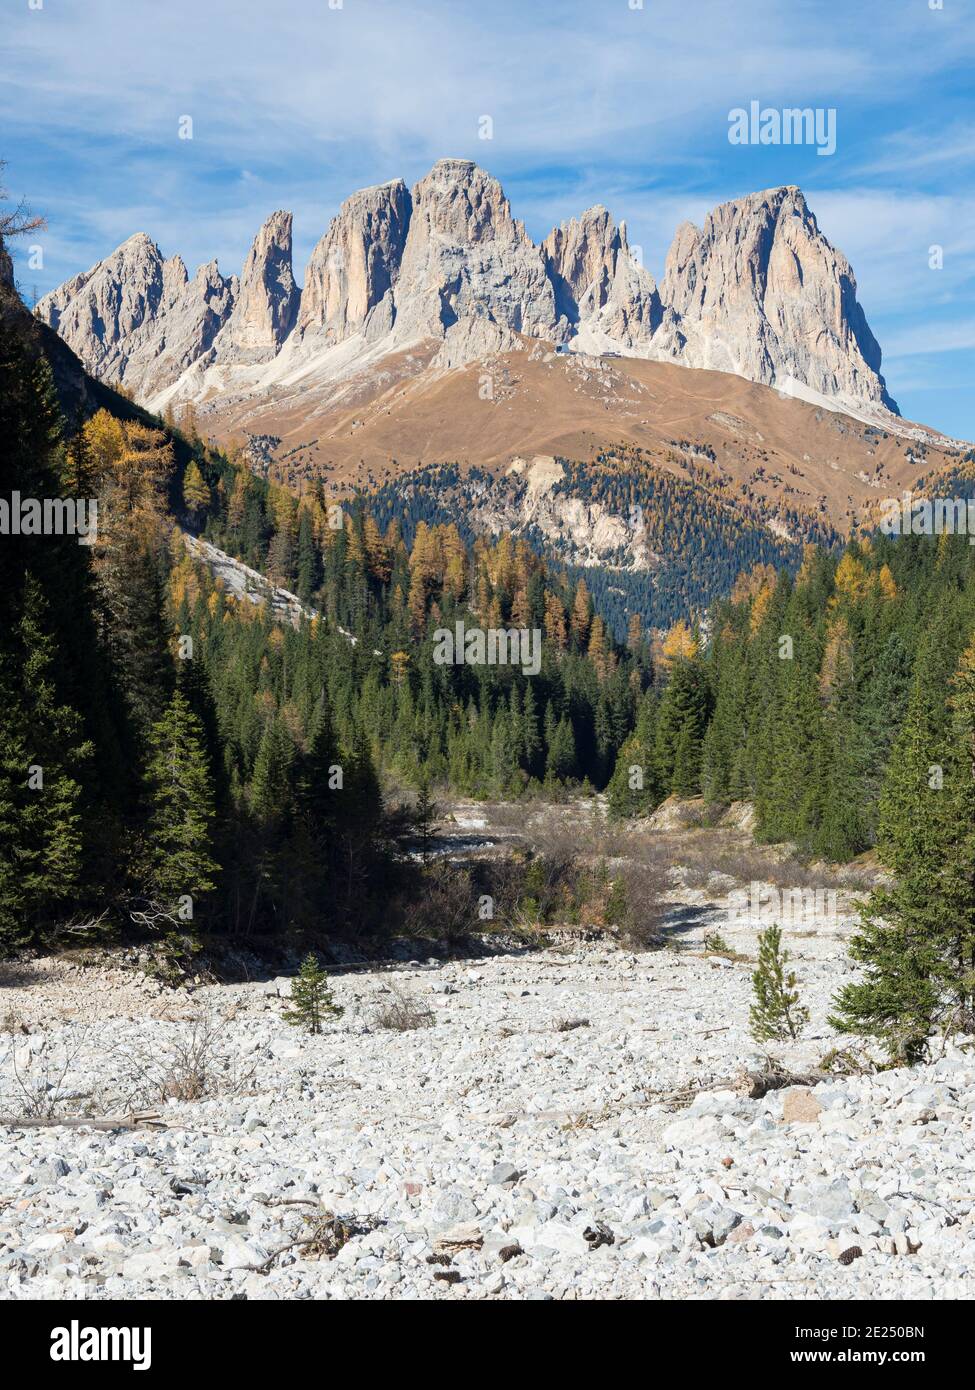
(350, 277)
(598, 281)
(760, 292)
(138, 319)
(757, 291)
(470, 274)
(267, 303)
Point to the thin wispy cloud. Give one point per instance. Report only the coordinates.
(920, 152)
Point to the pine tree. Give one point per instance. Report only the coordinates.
(791, 747)
(179, 860)
(634, 788)
(309, 564)
(561, 764)
(504, 754)
(41, 756)
(272, 783)
(776, 1013)
(531, 743)
(79, 471)
(721, 759)
(318, 784)
(63, 772)
(311, 999)
(917, 937)
(281, 552)
(681, 723)
(424, 815)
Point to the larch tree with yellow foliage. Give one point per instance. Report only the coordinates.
(679, 644)
(581, 613)
(196, 494)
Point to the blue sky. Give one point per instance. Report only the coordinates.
(297, 103)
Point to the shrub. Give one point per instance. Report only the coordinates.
(635, 905)
(617, 907)
(443, 905)
(403, 1014)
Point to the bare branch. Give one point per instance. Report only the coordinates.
(20, 220)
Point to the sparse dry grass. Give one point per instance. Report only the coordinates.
(193, 1065)
(568, 1025)
(699, 860)
(36, 1091)
(402, 1014)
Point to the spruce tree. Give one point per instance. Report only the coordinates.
(634, 788)
(561, 764)
(721, 778)
(311, 999)
(681, 722)
(916, 940)
(424, 815)
(309, 566)
(788, 746)
(42, 759)
(178, 857)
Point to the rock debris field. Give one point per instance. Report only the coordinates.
(564, 1123)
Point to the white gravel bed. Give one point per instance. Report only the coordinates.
(528, 1158)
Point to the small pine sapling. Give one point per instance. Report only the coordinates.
(311, 998)
(425, 817)
(776, 1013)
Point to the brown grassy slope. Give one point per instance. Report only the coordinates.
(765, 445)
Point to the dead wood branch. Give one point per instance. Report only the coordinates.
(148, 1119)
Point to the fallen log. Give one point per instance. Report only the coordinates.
(146, 1119)
(761, 1082)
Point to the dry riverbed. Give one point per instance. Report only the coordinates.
(564, 1123)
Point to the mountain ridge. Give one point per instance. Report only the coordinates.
(757, 291)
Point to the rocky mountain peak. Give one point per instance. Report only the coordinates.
(757, 291)
(100, 308)
(266, 302)
(461, 201)
(470, 274)
(599, 285)
(581, 256)
(137, 319)
(350, 277)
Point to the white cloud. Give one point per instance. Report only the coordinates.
(931, 339)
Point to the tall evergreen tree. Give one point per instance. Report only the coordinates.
(43, 756)
(681, 723)
(179, 863)
(917, 936)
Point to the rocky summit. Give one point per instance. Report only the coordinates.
(758, 292)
